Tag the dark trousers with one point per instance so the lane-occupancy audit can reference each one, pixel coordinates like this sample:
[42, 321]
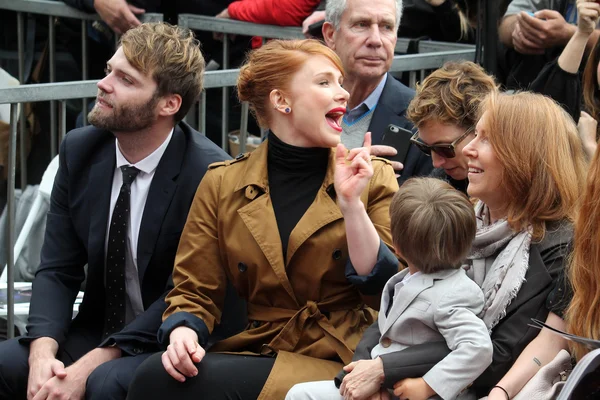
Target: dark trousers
[220, 377]
[108, 382]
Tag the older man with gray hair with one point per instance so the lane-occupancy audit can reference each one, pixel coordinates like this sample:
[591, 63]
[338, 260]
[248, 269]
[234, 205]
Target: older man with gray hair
[363, 34]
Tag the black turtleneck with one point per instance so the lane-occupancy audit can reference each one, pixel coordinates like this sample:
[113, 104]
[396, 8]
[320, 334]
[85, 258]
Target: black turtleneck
[295, 176]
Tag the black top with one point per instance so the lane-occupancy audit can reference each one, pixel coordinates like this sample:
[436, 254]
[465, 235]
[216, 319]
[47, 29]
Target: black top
[545, 289]
[561, 294]
[295, 176]
[562, 86]
[420, 19]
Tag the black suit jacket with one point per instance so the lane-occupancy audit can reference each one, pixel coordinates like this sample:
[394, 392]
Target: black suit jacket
[76, 231]
[391, 109]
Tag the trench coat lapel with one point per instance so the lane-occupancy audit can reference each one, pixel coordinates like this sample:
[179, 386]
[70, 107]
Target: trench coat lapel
[259, 213]
[322, 211]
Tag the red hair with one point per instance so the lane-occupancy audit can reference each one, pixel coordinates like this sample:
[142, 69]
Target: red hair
[272, 67]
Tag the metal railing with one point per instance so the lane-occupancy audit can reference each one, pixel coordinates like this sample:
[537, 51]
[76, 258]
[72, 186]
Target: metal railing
[63, 91]
[233, 27]
[50, 92]
[432, 55]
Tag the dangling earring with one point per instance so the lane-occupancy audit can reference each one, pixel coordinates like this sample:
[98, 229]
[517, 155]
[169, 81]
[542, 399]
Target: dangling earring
[288, 110]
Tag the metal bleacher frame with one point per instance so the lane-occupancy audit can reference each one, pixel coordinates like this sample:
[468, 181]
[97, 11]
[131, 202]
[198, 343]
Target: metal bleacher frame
[431, 55]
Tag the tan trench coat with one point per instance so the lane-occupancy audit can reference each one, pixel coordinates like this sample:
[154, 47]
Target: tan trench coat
[302, 308]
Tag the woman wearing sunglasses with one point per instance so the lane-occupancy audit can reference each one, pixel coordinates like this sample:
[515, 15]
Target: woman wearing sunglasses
[444, 110]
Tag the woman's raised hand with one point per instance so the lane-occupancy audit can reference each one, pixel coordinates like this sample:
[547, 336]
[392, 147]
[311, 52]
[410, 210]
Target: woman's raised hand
[353, 170]
[182, 352]
[588, 13]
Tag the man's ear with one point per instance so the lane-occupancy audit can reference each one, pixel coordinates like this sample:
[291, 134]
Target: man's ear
[278, 100]
[328, 34]
[169, 105]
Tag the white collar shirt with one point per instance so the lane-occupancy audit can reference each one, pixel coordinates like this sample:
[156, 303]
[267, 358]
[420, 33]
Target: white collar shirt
[139, 193]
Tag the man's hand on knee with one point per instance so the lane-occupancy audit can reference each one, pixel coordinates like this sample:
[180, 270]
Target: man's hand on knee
[41, 371]
[43, 364]
[70, 385]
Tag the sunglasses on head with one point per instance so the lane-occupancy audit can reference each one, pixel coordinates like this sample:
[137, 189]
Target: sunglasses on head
[446, 150]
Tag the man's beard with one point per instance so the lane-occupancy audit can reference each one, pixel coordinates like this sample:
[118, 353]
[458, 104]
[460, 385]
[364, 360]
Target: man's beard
[125, 117]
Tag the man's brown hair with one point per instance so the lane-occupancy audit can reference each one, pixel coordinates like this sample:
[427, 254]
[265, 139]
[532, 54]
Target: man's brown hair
[433, 224]
[172, 55]
[451, 95]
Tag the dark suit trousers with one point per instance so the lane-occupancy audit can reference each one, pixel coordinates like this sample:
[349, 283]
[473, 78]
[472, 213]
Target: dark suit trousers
[109, 381]
[220, 377]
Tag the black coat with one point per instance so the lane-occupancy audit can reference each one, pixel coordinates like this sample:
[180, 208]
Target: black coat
[76, 231]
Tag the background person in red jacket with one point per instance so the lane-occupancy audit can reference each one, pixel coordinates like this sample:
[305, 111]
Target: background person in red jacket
[270, 12]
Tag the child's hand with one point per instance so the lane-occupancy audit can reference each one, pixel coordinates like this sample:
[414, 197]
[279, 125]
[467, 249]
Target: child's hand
[413, 389]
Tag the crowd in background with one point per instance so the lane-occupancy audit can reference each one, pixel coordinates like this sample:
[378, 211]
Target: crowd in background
[319, 266]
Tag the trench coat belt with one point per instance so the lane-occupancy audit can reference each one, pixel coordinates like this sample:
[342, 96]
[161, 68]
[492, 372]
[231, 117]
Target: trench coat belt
[289, 336]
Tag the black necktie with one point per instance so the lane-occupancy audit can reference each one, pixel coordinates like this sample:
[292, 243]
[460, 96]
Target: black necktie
[116, 256]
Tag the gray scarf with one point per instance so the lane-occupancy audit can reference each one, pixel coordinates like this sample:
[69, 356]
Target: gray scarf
[503, 281]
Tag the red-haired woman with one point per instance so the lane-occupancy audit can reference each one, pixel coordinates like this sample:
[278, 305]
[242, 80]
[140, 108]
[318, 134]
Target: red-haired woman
[527, 168]
[299, 227]
[583, 314]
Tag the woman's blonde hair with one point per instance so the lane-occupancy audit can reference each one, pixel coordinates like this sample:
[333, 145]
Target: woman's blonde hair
[583, 314]
[544, 166]
[272, 67]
